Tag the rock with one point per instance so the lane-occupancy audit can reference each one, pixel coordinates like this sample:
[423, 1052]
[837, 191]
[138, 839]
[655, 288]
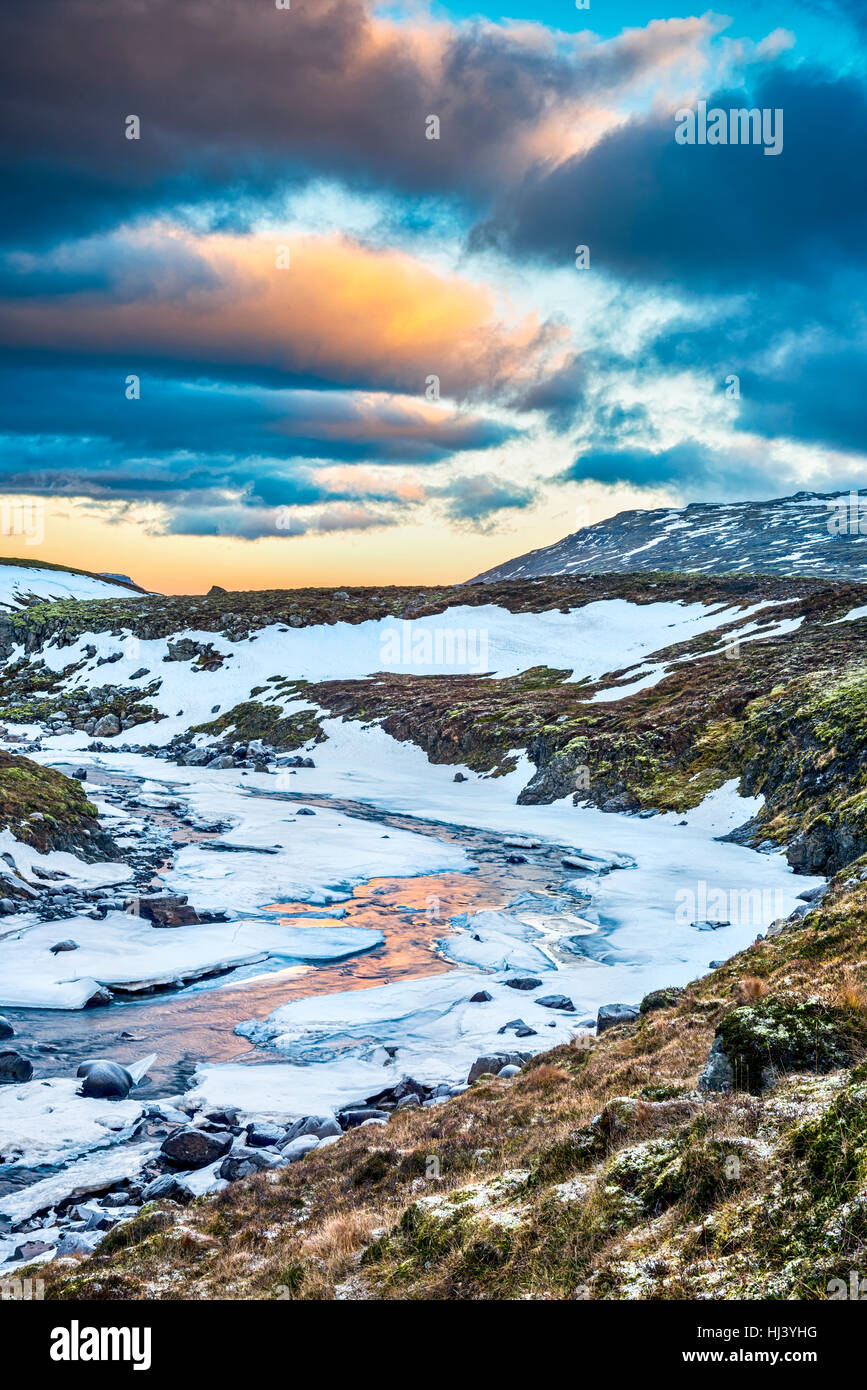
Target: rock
[194, 1148]
[227, 1117]
[166, 1185]
[660, 999]
[460, 777]
[107, 726]
[510, 1070]
[814, 895]
[14, 1068]
[60, 946]
[611, 1014]
[481, 997]
[523, 982]
[297, 1148]
[784, 1033]
[491, 1062]
[516, 859]
[319, 1126]
[80, 774]
[260, 1136]
[167, 910]
[717, 1074]
[6, 1029]
[306, 811]
[410, 1102]
[75, 1243]
[243, 1161]
[214, 590]
[30, 1249]
[104, 1080]
[353, 1118]
[557, 1001]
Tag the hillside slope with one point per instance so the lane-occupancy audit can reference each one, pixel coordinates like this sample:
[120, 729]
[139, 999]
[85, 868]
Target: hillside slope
[810, 534]
[601, 1169]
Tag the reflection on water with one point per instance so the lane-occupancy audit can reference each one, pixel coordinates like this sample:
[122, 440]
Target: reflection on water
[195, 1025]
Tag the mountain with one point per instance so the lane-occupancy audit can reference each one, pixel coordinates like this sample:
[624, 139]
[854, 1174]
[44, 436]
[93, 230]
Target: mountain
[820, 534]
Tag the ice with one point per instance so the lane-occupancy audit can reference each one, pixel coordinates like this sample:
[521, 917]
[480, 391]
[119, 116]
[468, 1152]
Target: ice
[128, 954]
[46, 1121]
[96, 1173]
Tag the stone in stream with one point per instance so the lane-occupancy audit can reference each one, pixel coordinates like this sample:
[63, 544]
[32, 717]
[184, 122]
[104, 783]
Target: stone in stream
[519, 1028]
[167, 910]
[14, 1068]
[557, 1001]
[194, 1148]
[523, 982]
[6, 1029]
[60, 946]
[305, 811]
[104, 1080]
[481, 997]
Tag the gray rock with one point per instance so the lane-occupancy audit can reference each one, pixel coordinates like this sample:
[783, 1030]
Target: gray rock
[195, 1148]
[243, 1161]
[14, 1068]
[612, 1014]
[557, 1001]
[492, 1062]
[103, 1080]
[107, 726]
[76, 1243]
[354, 1118]
[523, 982]
[481, 997]
[410, 1102]
[717, 1074]
[295, 1150]
[6, 1029]
[319, 1126]
[510, 1071]
[60, 946]
[165, 1186]
[260, 1136]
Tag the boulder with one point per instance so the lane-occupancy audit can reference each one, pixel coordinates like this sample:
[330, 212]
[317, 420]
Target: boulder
[6, 1029]
[60, 946]
[319, 1126]
[557, 1001]
[297, 1148]
[167, 910]
[492, 1062]
[523, 982]
[717, 1074]
[611, 1014]
[14, 1068]
[102, 1080]
[107, 726]
[481, 997]
[353, 1118]
[194, 1148]
[262, 1136]
[660, 999]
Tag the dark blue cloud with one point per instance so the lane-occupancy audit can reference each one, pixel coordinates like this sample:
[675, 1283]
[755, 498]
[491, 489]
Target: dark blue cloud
[724, 217]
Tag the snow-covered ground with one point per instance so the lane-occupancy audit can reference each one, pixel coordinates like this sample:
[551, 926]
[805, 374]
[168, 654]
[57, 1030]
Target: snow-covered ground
[659, 898]
[19, 582]
[601, 637]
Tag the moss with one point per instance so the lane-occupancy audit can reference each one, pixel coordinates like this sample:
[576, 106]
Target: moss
[45, 808]
[254, 720]
[783, 1035]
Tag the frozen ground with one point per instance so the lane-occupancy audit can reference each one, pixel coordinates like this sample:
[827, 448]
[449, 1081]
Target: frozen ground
[18, 582]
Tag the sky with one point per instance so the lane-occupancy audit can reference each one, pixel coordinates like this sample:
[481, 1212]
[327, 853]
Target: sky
[294, 296]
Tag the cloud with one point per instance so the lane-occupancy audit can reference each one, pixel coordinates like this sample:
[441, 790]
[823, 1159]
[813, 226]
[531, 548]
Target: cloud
[341, 314]
[722, 217]
[476, 498]
[236, 98]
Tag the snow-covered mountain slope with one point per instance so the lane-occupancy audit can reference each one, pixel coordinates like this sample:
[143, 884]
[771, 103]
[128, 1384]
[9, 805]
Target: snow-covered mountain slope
[21, 581]
[811, 534]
